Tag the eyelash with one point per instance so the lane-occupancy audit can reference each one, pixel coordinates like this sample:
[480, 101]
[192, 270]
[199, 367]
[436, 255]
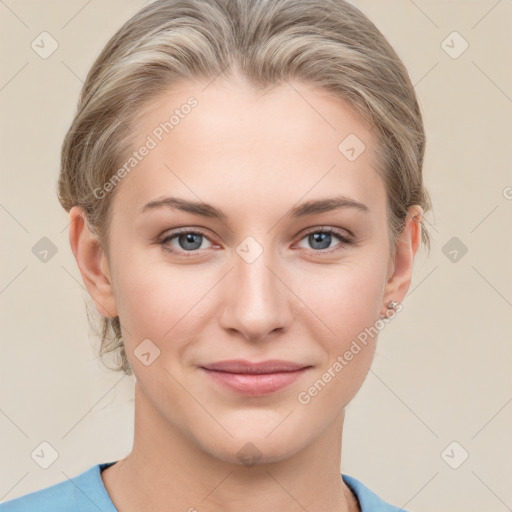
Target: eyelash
[344, 239]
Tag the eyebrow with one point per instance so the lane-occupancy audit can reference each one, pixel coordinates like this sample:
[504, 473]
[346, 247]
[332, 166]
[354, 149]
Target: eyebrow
[302, 210]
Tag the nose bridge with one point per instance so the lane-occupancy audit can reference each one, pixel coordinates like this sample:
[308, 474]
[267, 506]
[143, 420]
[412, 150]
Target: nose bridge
[256, 301]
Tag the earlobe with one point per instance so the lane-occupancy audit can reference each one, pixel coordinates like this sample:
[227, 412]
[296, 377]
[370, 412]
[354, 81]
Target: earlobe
[92, 263]
[407, 245]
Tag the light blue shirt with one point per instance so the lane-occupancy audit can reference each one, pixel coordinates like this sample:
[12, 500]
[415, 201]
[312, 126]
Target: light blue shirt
[87, 493]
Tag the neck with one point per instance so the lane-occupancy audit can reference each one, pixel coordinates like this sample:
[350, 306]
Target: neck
[166, 470]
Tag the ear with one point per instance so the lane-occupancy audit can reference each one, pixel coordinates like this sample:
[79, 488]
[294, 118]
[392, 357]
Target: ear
[92, 262]
[408, 242]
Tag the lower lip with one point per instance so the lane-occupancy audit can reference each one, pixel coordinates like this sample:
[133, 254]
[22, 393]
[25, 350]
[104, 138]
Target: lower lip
[255, 384]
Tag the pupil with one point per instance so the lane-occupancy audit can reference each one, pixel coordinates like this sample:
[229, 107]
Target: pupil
[317, 238]
[191, 238]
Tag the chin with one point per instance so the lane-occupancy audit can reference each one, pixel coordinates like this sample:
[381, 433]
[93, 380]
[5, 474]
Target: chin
[249, 453]
[253, 446]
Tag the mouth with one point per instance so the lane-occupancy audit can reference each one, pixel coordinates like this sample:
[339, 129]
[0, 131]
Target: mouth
[254, 379]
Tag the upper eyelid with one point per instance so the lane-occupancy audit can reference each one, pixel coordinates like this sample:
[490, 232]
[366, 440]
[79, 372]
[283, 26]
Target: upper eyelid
[336, 231]
[179, 232]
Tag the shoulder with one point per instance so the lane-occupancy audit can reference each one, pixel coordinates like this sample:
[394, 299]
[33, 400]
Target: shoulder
[57, 498]
[82, 493]
[368, 500]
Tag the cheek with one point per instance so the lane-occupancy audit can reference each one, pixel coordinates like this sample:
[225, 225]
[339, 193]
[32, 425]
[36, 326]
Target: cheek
[345, 298]
[160, 301]
[154, 299]
[345, 306]
[163, 301]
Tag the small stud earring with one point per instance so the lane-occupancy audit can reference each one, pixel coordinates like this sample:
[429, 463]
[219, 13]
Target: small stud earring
[391, 305]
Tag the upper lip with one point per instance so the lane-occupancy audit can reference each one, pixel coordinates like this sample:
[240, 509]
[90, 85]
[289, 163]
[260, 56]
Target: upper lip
[244, 366]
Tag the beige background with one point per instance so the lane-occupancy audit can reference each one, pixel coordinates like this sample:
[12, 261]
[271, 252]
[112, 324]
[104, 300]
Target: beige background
[442, 371]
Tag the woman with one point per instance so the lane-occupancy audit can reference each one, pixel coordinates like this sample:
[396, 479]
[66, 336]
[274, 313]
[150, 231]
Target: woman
[244, 183]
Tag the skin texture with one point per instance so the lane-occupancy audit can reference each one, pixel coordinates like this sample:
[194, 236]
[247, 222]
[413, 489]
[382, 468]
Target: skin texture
[254, 156]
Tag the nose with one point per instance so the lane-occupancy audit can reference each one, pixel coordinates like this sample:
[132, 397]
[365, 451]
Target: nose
[256, 300]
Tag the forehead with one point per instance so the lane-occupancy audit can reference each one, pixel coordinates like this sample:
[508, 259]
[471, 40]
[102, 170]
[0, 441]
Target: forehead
[226, 142]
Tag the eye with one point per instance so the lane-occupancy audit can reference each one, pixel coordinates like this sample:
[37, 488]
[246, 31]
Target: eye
[320, 239]
[187, 242]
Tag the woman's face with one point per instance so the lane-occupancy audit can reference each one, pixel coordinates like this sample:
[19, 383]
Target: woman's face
[254, 279]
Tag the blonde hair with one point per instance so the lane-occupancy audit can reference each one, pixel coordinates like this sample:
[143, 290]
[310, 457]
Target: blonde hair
[327, 43]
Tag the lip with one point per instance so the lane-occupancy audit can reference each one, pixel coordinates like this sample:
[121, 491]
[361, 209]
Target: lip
[244, 366]
[254, 379]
